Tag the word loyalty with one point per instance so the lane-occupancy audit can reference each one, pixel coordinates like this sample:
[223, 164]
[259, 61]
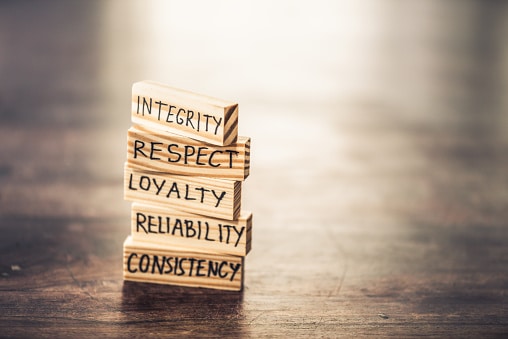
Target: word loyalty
[173, 114]
[186, 228]
[172, 190]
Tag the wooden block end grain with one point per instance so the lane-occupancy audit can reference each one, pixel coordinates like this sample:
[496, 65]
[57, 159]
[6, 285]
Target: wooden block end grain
[211, 197]
[193, 115]
[153, 263]
[174, 228]
[153, 150]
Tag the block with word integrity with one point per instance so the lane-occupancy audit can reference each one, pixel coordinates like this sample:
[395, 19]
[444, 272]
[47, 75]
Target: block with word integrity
[193, 115]
[212, 197]
[153, 263]
[167, 152]
[191, 231]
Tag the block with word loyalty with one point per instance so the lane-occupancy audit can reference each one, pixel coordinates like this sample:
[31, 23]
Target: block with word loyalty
[178, 229]
[167, 152]
[185, 113]
[206, 196]
[153, 263]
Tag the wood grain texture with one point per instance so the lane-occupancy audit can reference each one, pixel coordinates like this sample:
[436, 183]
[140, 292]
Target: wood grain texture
[185, 113]
[174, 228]
[205, 196]
[155, 263]
[153, 150]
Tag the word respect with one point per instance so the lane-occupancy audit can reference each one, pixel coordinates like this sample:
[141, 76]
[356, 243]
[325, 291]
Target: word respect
[201, 155]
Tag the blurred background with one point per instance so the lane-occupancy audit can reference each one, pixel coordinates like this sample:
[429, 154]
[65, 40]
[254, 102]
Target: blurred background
[379, 133]
[326, 88]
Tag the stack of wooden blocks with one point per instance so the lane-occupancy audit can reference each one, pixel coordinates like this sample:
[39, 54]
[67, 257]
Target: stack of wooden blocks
[184, 172]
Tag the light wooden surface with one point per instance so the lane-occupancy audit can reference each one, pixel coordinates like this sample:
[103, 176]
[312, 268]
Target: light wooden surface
[178, 229]
[185, 113]
[378, 183]
[152, 150]
[199, 195]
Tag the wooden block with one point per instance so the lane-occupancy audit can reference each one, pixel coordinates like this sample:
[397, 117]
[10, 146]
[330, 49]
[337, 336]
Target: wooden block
[178, 229]
[167, 152]
[185, 113]
[216, 198]
[153, 263]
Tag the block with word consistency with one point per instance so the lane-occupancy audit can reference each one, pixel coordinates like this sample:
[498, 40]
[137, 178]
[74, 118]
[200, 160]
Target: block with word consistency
[152, 263]
[212, 197]
[196, 116]
[174, 229]
[167, 152]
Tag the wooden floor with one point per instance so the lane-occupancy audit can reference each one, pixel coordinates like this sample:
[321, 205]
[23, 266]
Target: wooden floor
[379, 166]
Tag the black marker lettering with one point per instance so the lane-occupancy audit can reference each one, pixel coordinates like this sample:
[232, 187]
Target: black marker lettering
[148, 107]
[200, 154]
[174, 188]
[177, 226]
[153, 149]
[140, 219]
[190, 231]
[188, 152]
[231, 157]
[169, 113]
[174, 153]
[235, 269]
[146, 180]
[160, 105]
[138, 145]
[219, 198]
[207, 230]
[159, 188]
[179, 120]
[132, 255]
[207, 117]
[218, 124]
[151, 224]
[190, 115]
[191, 266]
[211, 157]
[239, 234]
[156, 263]
[187, 193]
[200, 267]
[203, 190]
[146, 258]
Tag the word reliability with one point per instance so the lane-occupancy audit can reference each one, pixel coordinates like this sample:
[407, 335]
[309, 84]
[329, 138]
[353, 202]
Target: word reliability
[186, 228]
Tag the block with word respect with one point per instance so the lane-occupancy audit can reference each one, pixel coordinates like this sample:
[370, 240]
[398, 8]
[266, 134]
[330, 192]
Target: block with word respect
[196, 116]
[178, 229]
[153, 263]
[167, 152]
[212, 197]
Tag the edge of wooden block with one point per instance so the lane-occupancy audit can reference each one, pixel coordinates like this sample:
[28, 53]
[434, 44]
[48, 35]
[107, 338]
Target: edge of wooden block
[153, 263]
[167, 226]
[160, 190]
[223, 134]
[154, 150]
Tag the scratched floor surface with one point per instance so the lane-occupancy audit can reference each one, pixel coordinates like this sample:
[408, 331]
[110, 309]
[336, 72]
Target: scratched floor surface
[379, 168]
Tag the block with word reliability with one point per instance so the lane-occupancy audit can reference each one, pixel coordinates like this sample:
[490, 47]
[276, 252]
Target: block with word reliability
[191, 231]
[152, 263]
[167, 152]
[185, 113]
[216, 198]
